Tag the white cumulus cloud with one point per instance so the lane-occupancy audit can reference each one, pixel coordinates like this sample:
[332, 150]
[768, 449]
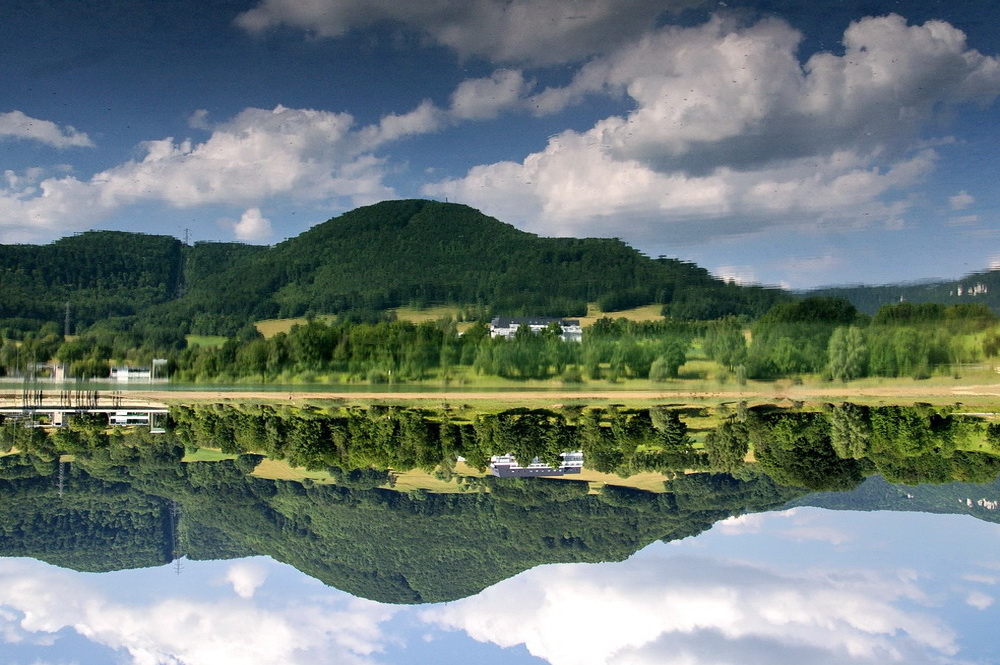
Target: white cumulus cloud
[246, 576]
[487, 97]
[17, 125]
[252, 226]
[308, 155]
[732, 133]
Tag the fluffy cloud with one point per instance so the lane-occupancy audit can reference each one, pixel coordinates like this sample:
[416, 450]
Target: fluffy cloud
[41, 600]
[252, 226]
[246, 576]
[502, 30]
[17, 125]
[675, 610]
[961, 201]
[730, 126]
[305, 154]
[488, 97]
[979, 600]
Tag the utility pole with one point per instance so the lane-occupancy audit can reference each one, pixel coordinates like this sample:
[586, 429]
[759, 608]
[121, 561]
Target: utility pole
[66, 321]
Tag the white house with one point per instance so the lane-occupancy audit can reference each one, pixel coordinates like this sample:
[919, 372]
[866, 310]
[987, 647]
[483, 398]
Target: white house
[572, 331]
[505, 466]
[131, 373]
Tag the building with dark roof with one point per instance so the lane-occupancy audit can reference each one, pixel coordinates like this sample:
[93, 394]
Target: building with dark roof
[507, 327]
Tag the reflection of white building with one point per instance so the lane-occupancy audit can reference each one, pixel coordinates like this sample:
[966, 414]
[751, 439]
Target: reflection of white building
[127, 418]
[507, 327]
[131, 374]
[505, 466]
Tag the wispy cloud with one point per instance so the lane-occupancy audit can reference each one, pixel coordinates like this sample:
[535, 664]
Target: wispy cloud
[519, 31]
[961, 201]
[17, 125]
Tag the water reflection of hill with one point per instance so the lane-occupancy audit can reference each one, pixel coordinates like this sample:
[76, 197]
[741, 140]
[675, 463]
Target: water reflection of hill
[127, 499]
[375, 543]
[980, 500]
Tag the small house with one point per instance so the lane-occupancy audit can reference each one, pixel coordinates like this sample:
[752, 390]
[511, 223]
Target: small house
[500, 326]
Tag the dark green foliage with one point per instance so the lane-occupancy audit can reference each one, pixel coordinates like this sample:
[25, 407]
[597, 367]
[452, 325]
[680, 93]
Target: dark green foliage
[727, 446]
[127, 500]
[795, 449]
[90, 525]
[101, 274]
[359, 264]
[993, 436]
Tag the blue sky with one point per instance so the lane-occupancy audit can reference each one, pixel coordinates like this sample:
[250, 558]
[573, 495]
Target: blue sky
[790, 587]
[783, 142]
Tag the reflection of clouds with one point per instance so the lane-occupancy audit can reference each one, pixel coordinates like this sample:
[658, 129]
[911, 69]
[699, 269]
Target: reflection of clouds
[246, 577]
[39, 600]
[979, 600]
[980, 579]
[663, 609]
[803, 526]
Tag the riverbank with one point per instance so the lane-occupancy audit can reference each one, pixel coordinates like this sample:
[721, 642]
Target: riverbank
[981, 394]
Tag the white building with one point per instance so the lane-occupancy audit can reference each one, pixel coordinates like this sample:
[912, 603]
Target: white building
[505, 466]
[572, 331]
[131, 373]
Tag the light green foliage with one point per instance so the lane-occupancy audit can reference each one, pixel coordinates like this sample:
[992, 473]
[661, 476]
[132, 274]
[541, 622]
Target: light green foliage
[848, 354]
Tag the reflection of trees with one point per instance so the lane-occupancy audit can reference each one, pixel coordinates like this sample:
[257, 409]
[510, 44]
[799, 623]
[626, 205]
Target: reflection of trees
[795, 449]
[417, 546]
[381, 544]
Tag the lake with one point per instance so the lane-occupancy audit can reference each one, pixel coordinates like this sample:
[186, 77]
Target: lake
[122, 551]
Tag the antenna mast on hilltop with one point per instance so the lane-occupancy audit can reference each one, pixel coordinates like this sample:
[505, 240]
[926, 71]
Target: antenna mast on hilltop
[66, 321]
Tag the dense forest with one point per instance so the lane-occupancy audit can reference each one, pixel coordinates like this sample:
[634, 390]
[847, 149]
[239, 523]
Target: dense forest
[128, 298]
[825, 338]
[357, 265]
[442, 546]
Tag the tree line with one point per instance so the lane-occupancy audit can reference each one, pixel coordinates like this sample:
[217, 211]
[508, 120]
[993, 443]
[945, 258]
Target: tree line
[830, 338]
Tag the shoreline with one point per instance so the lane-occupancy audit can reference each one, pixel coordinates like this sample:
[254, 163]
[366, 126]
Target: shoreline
[144, 397]
[840, 393]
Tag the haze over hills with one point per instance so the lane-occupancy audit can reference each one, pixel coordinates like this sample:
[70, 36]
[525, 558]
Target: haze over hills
[979, 287]
[390, 254]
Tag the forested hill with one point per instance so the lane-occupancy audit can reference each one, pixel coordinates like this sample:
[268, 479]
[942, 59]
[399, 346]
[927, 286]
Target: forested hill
[411, 252]
[981, 287]
[417, 252]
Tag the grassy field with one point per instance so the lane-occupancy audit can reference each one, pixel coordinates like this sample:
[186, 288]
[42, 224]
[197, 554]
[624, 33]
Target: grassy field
[645, 313]
[408, 481]
[213, 341]
[206, 455]
[282, 470]
[271, 327]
